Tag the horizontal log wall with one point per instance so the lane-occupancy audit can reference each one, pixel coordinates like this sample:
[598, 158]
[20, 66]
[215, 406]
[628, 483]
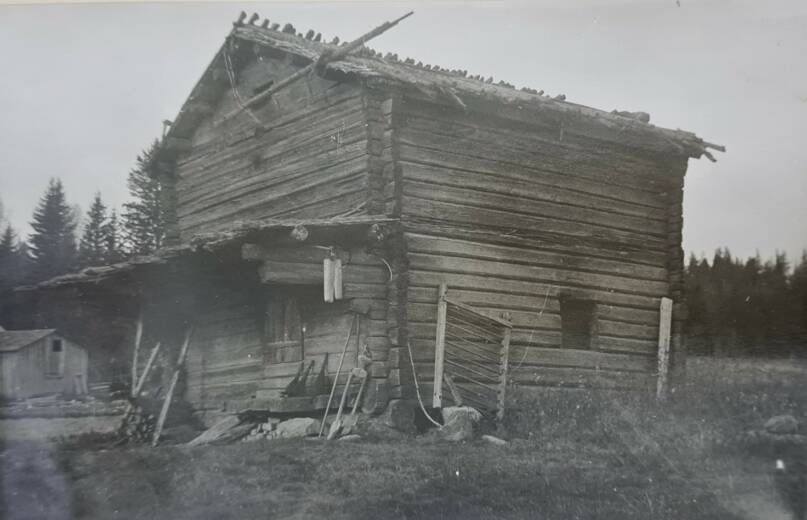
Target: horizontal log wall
[514, 218]
[306, 156]
[230, 366]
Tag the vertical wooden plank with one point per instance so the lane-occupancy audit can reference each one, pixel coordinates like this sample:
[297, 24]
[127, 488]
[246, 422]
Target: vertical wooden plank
[505, 357]
[665, 322]
[440, 347]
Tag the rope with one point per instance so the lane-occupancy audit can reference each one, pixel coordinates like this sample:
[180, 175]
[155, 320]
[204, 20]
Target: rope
[532, 332]
[228, 66]
[417, 389]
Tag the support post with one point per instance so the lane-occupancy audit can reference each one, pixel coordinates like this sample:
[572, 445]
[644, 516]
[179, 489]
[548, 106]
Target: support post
[505, 360]
[665, 322]
[440, 347]
[183, 353]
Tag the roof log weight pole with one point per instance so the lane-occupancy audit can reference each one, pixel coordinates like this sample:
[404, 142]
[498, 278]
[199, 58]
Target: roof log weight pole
[325, 58]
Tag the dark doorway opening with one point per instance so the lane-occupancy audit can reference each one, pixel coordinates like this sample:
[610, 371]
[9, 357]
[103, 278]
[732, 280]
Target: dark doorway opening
[577, 323]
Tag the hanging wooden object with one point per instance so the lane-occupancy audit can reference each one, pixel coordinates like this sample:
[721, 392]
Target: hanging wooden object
[337, 278]
[327, 278]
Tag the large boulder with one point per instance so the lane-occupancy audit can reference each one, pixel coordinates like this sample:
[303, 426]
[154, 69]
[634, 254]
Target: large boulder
[297, 427]
[459, 423]
[782, 425]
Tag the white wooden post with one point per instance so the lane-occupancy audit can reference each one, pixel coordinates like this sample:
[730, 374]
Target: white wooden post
[337, 278]
[665, 321]
[327, 279]
[440, 347]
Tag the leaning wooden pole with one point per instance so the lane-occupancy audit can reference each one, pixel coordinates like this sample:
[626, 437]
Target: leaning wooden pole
[136, 351]
[140, 383]
[324, 59]
[336, 379]
[170, 394]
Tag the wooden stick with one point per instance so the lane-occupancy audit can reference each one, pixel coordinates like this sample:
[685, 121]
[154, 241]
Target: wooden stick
[665, 320]
[358, 396]
[336, 379]
[455, 393]
[169, 396]
[136, 353]
[439, 347]
[141, 382]
[324, 59]
[337, 423]
[505, 366]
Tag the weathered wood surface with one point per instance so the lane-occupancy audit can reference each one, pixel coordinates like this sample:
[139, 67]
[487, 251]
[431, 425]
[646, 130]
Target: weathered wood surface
[513, 218]
[169, 395]
[664, 327]
[439, 347]
[311, 160]
[232, 362]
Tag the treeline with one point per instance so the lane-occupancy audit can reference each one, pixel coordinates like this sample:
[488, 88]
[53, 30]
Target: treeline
[746, 307]
[63, 240]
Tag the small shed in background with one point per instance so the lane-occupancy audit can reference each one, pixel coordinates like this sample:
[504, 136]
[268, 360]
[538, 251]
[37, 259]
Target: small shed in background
[39, 362]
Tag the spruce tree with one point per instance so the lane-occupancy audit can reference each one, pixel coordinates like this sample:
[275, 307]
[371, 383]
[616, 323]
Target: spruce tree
[93, 244]
[143, 225]
[8, 259]
[53, 242]
[112, 243]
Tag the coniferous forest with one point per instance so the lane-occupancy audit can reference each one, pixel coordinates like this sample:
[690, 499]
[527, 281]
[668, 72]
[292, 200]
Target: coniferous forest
[735, 307]
[64, 240]
[742, 307]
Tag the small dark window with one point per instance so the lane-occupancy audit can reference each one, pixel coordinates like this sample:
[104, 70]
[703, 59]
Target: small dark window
[54, 359]
[577, 323]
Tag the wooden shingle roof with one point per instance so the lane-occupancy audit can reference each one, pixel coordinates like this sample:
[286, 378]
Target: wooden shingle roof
[451, 86]
[214, 242]
[13, 340]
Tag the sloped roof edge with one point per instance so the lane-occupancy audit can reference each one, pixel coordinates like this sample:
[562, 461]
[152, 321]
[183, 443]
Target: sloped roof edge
[370, 65]
[13, 340]
[205, 242]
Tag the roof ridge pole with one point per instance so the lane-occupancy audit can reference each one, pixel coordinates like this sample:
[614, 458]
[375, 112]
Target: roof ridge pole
[326, 57]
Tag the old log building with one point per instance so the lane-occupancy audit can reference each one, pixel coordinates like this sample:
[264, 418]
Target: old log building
[560, 222]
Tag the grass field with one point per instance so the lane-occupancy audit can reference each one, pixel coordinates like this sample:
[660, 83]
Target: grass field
[572, 455]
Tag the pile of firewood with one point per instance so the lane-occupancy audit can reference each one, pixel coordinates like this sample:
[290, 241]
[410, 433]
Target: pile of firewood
[137, 426]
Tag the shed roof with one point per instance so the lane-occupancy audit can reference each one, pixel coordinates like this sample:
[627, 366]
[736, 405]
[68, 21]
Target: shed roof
[13, 340]
[452, 86]
[213, 242]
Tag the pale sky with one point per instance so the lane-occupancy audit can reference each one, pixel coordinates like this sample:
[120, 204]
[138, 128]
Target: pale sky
[85, 87]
